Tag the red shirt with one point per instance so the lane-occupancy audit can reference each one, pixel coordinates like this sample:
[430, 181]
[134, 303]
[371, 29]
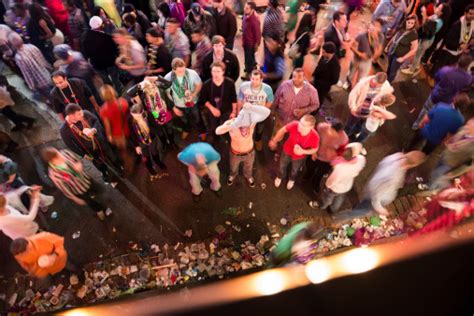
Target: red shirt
[116, 116]
[309, 141]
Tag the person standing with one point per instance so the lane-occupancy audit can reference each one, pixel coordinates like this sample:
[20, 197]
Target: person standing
[201, 159]
[241, 131]
[302, 141]
[273, 24]
[199, 18]
[294, 98]
[159, 58]
[336, 33]
[13, 223]
[177, 42]
[327, 71]
[220, 53]
[99, 48]
[256, 92]
[76, 22]
[72, 90]
[226, 22]
[391, 13]
[184, 91]
[40, 255]
[251, 37]
[217, 99]
[402, 46]
[449, 81]
[203, 48]
[67, 173]
[345, 169]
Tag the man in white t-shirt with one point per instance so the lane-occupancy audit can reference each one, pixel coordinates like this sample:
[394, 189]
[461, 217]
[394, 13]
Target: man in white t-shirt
[341, 179]
[241, 131]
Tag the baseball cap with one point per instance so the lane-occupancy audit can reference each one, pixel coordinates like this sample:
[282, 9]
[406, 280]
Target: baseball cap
[196, 8]
[62, 51]
[95, 22]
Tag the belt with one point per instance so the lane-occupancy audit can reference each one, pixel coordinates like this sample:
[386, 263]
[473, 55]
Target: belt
[241, 154]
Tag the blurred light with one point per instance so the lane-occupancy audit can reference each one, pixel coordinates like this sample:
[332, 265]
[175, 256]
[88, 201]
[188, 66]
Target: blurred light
[318, 271]
[360, 260]
[270, 282]
[76, 313]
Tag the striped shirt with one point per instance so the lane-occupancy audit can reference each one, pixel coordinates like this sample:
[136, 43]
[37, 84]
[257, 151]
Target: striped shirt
[287, 100]
[71, 182]
[203, 48]
[273, 23]
[33, 66]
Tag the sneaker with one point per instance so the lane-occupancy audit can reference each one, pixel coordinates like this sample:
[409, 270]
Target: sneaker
[407, 71]
[251, 182]
[277, 182]
[290, 185]
[230, 181]
[218, 192]
[196, 198]
[101, 215]
[108, 212]
[313, 204]
[345, 86]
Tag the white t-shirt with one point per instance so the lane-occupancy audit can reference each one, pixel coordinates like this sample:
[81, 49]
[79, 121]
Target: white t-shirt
[342, 177]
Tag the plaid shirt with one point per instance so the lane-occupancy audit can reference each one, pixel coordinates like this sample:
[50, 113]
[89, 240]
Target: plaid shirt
[33, 66]
[203, 48]
[286, 101]
[71, 182]
[273, 23]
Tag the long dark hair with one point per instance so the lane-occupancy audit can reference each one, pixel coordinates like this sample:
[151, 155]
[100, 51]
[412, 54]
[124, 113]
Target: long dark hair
[165, 9]
[97, 11]
[37, 13]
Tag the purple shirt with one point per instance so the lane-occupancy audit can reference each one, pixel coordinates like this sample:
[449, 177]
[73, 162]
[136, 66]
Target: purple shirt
[449, 82]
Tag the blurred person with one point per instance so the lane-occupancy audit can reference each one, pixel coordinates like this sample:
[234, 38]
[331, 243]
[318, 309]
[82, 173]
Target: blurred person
[336, 33]
[274, 63]
[133, 27]
[221, 53]
[114, 114]
[327, 71]
[217, 99]
[33, 66]
[163, 12]
[177, 42]
[177, 11]
[226, 22]
[145, 140]
[110, 9]
[251, 37]
[184, 91]
[82, 133]
[140, 16]
[76, 22]
[6, 103]
[301, 45]
[57, 11]
[345, 168]
[19, 19]
[449, 81]
[391, 13]
[99, 48]
[402, 46]
[108, 25]
[67, 173]
[131, 55]
[40, 30]
[71, 90]
[201, 160]
[302, 140]
[273, 24]
[332, 141]
[198, 18]
[241, 129]
[202, 48]
[255, 92]
[158, 58]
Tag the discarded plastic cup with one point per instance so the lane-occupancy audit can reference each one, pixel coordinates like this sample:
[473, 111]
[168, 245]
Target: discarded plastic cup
[263, 186]
[54, 215]
[76, 234]
[250, 205]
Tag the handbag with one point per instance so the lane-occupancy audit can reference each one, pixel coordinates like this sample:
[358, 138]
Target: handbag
[294, 51]
[58, 38]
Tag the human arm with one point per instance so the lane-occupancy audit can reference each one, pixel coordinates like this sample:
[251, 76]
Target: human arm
[411, 53]
[44, 26]
[301, 151]
[108, 128]
[272, 144]
[224, 128]
[34, 203]
[355, 49]
[382, 113]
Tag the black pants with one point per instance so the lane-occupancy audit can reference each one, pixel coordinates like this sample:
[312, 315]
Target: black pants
[250, 63]
[93, 196]
[315, 171]
[16, 118]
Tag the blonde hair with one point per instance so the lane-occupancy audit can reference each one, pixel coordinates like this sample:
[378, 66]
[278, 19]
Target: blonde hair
[107, 93]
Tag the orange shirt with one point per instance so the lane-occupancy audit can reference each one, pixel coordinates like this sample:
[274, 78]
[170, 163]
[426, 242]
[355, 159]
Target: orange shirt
[43, 244]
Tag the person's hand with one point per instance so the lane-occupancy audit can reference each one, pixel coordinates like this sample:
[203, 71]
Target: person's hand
[272, 144]
[400, 60]
[298, 113]
[215, 112]
[11, 178]
[314, 157]
[298, 150]
[177, 111]
[110, 139]
[35, 191]
[89, 132]
[232, 115]
[138, 150]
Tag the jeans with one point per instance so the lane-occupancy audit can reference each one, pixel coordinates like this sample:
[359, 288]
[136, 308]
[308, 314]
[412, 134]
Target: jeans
[246, 159]
[213, 173]
[423, 46]
[364, 134]
[191, 119]
[285, 161]
[393, 66]
[249, 53]
[428, 106]
[361, 67]
[332, 200]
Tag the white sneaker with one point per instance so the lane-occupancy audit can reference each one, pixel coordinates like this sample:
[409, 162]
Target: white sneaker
[290, 184]
[108, 212]
[345, 86]
[277, 182]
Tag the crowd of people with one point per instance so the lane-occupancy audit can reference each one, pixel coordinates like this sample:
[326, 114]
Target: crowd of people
[131, 82]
